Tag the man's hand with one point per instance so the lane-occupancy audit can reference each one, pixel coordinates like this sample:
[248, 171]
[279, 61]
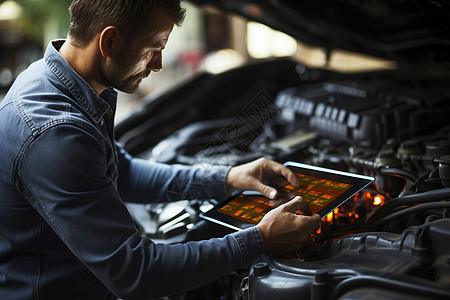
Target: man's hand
[284, 231]
[254, 175]
[281, 229]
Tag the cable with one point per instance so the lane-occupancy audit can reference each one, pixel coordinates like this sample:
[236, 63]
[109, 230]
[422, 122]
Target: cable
[429, 196]
[431, 218]
[408, 211]
[388, 283]
[416, 180]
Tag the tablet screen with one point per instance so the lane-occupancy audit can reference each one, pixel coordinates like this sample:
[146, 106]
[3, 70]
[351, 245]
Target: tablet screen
[322, 189]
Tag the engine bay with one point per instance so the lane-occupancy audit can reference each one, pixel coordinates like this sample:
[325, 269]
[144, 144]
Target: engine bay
[389, 241]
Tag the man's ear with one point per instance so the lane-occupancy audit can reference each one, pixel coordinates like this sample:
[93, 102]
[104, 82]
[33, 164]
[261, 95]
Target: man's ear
[110, 41]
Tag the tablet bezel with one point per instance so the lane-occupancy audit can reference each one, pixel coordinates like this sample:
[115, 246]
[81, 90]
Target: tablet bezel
[357, 182]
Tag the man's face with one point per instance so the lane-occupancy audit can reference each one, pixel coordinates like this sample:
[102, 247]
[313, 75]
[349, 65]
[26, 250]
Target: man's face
[135, 62]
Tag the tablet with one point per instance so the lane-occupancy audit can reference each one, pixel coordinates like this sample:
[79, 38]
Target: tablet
[322, 189]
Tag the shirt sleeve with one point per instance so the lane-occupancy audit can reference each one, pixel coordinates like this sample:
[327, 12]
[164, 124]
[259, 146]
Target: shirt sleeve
[65, 178]
[143, 181]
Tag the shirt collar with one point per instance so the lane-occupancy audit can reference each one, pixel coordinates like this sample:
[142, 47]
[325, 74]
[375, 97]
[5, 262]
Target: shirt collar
[93, 104]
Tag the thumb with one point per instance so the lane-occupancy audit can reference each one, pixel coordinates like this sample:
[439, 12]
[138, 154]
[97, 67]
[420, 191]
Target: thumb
[297, 203]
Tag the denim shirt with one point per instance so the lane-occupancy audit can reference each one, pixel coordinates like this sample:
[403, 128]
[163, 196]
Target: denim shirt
[65, 232]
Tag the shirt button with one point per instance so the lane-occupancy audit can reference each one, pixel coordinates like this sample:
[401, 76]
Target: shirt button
[101, 122]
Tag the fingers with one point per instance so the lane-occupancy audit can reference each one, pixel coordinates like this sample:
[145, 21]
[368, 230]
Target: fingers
[283, 231]
[290, 176]
[275, 169]
[251, 176]
[313, 223]
[317, 221]
[278, 168]
[266, 190]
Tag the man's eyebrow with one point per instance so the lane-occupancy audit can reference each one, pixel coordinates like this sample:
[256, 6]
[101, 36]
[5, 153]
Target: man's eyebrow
[161, 45]
[157, 46]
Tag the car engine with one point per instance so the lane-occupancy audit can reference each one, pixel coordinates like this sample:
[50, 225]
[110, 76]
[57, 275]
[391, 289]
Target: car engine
[390, 241]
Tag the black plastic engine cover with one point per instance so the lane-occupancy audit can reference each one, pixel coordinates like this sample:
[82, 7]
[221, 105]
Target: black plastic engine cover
[365, 112]
[414, 264]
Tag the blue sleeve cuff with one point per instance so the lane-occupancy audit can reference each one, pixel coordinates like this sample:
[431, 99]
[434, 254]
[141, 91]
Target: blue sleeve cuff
[213, 180]
[250, 244]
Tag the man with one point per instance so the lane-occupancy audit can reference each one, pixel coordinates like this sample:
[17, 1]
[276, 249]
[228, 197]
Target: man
[64, 230]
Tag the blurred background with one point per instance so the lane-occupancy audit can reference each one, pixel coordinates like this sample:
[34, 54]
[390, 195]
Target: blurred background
[209, 41]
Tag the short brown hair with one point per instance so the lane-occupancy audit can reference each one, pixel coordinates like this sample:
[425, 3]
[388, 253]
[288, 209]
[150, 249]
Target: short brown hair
[88, 17]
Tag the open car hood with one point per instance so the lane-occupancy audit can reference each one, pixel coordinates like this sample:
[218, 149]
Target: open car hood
[406, 31]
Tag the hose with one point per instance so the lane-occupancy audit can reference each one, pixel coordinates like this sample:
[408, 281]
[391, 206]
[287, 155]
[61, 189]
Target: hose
[416, 180]
[388, 283]
[407, 211]
[426, 197]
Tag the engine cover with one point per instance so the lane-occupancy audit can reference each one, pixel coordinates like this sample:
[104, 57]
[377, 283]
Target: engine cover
[364, 112]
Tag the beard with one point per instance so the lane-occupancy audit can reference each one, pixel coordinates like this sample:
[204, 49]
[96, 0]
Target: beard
[116, 74]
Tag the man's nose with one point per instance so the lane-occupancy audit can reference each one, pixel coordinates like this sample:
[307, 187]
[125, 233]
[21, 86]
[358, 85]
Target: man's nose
[155, 64]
